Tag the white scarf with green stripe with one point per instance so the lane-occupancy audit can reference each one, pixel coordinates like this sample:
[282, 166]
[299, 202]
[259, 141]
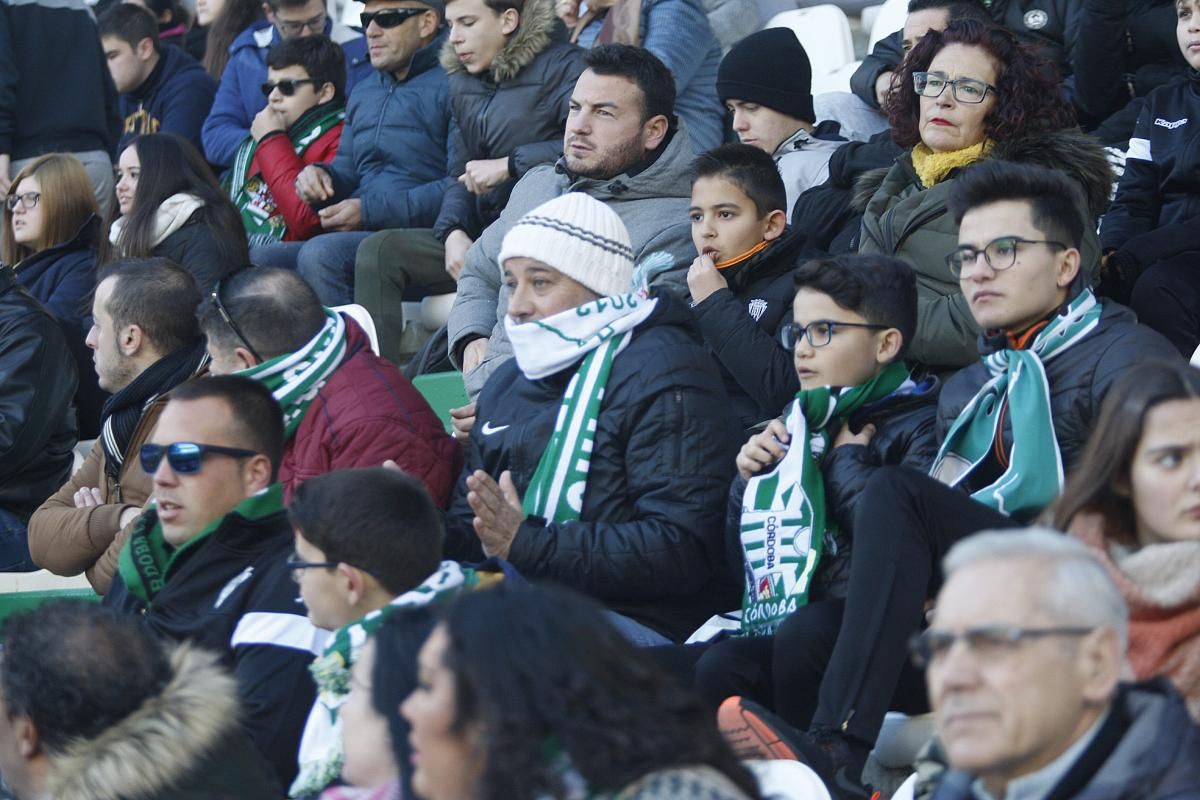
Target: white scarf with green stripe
[1034, 474]
[595, 332]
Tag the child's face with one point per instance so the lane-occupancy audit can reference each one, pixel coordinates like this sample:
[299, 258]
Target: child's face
[302, 99]
[1187, 30]
[725, 223]
[852, 356]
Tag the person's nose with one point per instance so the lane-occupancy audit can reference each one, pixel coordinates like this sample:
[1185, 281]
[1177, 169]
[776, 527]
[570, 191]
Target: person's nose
[164, 475]
[580, 123]
[740, 123]
[520, 304]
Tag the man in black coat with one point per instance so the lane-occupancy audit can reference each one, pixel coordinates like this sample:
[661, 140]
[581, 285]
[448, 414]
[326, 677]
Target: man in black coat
[37, 418]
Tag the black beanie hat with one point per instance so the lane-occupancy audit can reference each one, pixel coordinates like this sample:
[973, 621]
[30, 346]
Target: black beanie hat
[770, 68]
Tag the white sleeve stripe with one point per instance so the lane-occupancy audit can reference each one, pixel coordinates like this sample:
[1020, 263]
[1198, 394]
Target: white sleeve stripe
[1139, 149]
[280, 630]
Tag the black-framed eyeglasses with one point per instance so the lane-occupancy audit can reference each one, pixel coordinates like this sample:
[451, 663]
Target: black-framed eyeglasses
[819, 333]
[987, 642]
[287, 86]
[186, 458]
[966, 90]
[1000, 254]
[26, 200]
[215, 297]
[389, 17]
[297, 565]
[315, 24]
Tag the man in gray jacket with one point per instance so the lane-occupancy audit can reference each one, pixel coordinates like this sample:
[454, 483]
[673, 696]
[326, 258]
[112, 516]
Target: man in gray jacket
[622, 147]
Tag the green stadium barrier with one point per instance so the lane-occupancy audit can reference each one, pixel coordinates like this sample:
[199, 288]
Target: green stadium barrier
[443, 391]
[12, 602]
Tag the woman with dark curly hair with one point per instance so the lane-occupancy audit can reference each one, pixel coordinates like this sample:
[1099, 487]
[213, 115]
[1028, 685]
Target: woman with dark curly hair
[969, 93]
[529, 693]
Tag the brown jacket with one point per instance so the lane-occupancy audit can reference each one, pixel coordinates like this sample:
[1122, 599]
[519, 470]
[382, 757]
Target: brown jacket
[67, 540]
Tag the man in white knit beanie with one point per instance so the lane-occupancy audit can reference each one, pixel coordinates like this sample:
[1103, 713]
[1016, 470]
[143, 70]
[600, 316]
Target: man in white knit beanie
[603, 450]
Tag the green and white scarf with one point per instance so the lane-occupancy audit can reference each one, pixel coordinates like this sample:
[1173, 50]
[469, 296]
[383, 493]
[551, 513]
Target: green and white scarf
[295, 378]
[321, 752]
[596, 332]
[146, 559]
[784, 521]
[1034, 475]
[261, 217]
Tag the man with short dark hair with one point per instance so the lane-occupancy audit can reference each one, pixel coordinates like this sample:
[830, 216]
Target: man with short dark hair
[622, 147]
[344, 406]
[207, 562]
[163, 90]
[239, 97]
[1023, 660]
[86, 696]
[143, 347]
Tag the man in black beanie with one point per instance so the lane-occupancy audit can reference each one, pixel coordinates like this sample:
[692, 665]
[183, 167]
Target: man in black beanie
[766, 83]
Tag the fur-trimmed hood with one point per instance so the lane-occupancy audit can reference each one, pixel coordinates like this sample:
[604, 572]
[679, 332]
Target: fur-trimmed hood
[1071, 151]
[533, 35]
[156, 750]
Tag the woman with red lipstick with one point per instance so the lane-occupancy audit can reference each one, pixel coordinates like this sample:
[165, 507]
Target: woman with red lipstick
[967, 94]
[1136, 499]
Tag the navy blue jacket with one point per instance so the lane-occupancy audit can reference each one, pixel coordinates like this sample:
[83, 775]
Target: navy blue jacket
[62, 277]
[56, 94]
[396, 151]
[239, 97]
[175, 98]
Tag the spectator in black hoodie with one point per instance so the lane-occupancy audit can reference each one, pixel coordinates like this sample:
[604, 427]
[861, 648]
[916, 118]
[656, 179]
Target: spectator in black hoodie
[163, 89]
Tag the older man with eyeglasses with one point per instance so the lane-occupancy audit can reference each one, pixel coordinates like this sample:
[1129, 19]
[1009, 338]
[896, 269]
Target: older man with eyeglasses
[207, 561]
[1023, 662]
[239, 98]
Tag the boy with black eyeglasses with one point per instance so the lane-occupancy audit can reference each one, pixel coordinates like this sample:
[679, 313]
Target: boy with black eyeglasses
[301, 125]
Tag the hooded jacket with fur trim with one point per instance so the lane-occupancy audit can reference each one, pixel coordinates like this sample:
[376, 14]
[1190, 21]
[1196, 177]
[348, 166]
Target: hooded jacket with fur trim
[183, 744]
[515, 110]
[904, 220]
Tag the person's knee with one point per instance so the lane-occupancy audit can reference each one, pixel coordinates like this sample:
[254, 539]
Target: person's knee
[371, 254]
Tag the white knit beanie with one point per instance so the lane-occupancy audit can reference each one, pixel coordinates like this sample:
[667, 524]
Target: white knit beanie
[580, 237]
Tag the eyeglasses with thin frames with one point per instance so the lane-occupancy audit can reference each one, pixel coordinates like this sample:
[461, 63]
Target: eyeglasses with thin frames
[819, 333]
[966, 90]
[989, 642]
[1000, 254]
[215, 297]
[288, 28]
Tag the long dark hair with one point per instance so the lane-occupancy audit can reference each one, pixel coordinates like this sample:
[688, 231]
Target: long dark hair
[235, 17]
[1106, 460]
[170, 165]
[394, 677]
[553, 686]
[1028, 96]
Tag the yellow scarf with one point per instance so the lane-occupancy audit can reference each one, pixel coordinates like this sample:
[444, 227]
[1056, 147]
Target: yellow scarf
[932, 168]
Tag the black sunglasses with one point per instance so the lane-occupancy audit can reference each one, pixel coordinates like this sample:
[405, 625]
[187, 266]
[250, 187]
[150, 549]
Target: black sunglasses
[389, 17]
[287, 86]
[215, 297]
[186, 458]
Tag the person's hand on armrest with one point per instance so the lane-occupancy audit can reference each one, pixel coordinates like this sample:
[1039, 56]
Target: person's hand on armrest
[314, 185]
[457, 245]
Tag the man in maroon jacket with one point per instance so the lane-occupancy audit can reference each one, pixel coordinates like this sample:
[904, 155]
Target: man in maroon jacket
[343, 405]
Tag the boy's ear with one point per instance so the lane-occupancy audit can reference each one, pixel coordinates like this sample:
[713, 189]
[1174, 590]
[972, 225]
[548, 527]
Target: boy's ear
[774, 224]
[145, 49]
[889, 344]
[326, 92]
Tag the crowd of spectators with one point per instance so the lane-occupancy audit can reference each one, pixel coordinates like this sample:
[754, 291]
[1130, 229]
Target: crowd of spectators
[819, 407]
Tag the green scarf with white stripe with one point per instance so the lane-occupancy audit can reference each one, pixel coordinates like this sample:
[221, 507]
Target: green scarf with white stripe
[1034, 475]
[146, 559]
[261, 217]
[295, 378]
[784, 520]
[596, 332]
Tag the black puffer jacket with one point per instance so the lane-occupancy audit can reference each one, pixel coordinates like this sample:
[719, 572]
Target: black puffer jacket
[207, 250]
[37, 382]
[517, 109]
[741, 326]
[1079, 379]
[648, 543]
[905, 435]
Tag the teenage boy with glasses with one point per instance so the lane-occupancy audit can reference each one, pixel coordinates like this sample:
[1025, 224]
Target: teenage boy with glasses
[240, 100]
[207, 562]
[1008, 427]
[142, 348]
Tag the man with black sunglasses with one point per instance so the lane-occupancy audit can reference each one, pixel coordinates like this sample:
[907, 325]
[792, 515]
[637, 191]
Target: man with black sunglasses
[142, 348]
[239, 96]
[394, 161]
[207, 562]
